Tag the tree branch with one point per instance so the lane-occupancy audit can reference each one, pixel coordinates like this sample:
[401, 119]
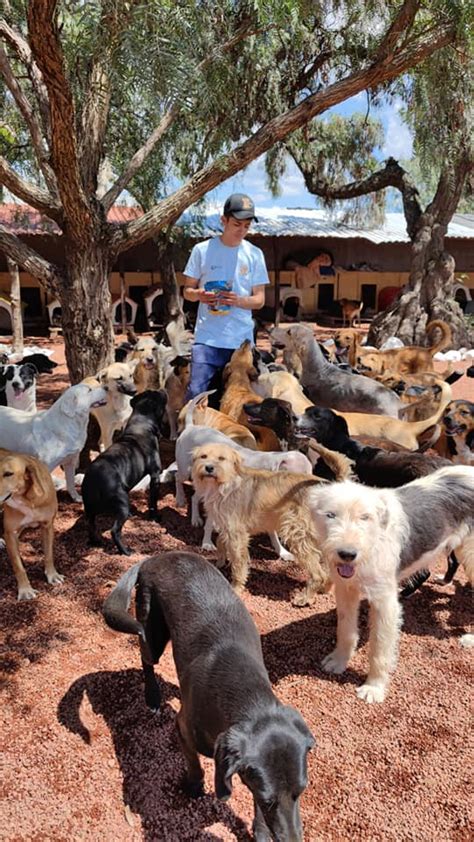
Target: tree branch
[46, 48]
[166, 121]
[35, 196]
[38, 142]
[169, 209]
[23, 51]
[400, 26]
[30, 260]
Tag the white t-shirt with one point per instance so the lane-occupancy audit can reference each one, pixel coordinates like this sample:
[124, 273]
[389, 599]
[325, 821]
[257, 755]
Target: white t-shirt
[242, 268]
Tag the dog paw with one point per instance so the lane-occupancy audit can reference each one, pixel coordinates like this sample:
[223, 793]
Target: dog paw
[467, 640]
[196, 520]
[193, 789]
[55, 578]
[75, 496]
[302, 598]
[371, 693]
[209, 546]
[285, 555]
[27, 593]
[334, 663]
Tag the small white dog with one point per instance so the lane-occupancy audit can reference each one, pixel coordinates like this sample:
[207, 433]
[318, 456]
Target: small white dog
[373, 538]
[56, 435]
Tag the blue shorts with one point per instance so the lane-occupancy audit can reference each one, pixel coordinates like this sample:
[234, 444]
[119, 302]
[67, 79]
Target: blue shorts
[205, 361]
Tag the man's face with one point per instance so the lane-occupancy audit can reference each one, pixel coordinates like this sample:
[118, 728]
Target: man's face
[234, 230]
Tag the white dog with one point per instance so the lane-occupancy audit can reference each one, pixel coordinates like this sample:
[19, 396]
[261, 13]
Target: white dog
[56, 435]
[371, 539]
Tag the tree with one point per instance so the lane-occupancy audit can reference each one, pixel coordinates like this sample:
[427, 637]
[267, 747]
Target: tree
[439, 96]
[239, 78]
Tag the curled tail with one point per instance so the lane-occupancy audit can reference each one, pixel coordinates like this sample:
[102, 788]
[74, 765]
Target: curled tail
[192, 404]
[446, 336]
[116, 605]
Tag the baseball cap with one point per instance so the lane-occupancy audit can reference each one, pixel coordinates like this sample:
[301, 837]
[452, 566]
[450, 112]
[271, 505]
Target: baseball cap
[240, 206]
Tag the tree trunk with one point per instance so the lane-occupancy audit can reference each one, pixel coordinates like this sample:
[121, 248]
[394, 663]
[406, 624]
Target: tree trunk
[17, 316]
[428, 294]
[86, 310]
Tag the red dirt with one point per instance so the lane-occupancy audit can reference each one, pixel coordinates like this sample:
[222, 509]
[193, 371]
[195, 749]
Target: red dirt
[83, 759]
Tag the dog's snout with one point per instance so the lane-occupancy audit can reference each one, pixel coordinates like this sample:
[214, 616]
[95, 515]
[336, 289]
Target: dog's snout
[347, 554]
[209, 469]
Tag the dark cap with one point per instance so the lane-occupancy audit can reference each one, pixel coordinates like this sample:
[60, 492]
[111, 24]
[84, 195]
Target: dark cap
[240, 206]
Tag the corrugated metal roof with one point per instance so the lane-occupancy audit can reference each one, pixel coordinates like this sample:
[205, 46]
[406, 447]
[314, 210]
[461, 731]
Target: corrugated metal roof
[272, 222]
[285, 222]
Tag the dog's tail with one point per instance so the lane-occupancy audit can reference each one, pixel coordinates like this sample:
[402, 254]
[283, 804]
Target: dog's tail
[446, 336]
[445, 398]
[188, 420]
[116, 605]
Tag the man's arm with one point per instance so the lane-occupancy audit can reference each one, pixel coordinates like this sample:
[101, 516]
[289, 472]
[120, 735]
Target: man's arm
[192, 292]
[255, 301]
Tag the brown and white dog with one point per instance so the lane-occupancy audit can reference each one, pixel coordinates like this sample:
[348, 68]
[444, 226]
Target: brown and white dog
[407, 360]
[28, 498]
[351, 310]
[244, 501]
[456, 441]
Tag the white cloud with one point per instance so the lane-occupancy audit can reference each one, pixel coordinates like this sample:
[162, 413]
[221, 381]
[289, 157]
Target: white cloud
[398, 137]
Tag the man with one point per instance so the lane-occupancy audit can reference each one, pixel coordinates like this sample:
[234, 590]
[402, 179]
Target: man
[227, 275]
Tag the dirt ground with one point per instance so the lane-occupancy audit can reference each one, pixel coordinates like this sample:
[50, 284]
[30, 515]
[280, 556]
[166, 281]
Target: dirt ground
[83, 759]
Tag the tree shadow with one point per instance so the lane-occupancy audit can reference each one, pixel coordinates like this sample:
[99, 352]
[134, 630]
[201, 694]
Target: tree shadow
[148, 754]
[421, 611]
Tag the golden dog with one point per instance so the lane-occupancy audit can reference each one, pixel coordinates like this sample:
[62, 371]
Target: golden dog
[206, 416]
[456, 441]
[29, 499]
[239, 374]
[175, 387]
[242, 502]
[351, 311]
[407, 360]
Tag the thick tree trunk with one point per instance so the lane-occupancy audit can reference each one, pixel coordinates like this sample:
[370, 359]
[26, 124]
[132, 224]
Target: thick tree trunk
[428, 294]
[17, 315]
[171, 296]
[86, 311]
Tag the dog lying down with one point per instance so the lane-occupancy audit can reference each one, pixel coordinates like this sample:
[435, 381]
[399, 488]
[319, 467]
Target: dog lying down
[373, 538]
[108, 480]
[228, 708]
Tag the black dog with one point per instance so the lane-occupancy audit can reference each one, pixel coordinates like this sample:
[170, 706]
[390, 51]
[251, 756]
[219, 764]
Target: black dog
[41, 362]
[276, 414]
[228, 709]
[115, 472]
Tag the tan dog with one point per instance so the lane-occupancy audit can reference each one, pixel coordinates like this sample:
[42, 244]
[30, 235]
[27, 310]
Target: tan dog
[175, 387]
[153, 364]
[29, 499]
[351, 310]
[239, 374]
[118, 380]
[243, 501]
[407, 360]
[457, 438]
[205, 416]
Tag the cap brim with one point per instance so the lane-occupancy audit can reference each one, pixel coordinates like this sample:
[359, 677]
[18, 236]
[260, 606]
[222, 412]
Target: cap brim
[243, 215]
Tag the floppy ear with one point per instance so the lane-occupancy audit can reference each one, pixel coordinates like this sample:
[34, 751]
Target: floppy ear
[237, 461]
[228, 758]
[383, 512]
[34, 486]
[102, 376]
[69, 403]
[32, 369]
[252, 373]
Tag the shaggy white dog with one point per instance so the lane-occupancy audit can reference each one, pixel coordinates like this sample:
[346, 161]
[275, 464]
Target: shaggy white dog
[373, 538]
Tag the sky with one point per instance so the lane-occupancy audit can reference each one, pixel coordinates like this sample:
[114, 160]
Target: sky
[252, 180]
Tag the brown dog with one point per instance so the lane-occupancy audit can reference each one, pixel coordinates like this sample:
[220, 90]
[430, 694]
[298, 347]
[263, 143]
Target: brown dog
[29, 499]
[407, 360]
[175, 387]
[206, 416]
[239, 374]
[351, 310]
[243, 501]
[457, 438]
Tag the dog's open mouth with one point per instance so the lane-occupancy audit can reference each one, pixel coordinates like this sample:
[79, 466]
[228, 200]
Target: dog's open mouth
[456, 430]
[345, 570]
[18, 391]
[148, 364]
[100, 402]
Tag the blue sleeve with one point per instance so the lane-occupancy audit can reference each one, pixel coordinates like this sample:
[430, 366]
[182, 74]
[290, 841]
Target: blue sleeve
[259, 274]
[193, 266]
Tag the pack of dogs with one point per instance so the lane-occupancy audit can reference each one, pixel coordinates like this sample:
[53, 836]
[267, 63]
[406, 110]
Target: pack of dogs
[357, 463]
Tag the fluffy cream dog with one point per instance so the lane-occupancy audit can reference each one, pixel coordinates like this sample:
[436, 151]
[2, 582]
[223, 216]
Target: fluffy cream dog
[373, 538]
[117, 380]
[243, 501]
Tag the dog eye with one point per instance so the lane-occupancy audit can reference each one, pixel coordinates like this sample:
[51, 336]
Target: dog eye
[330, 515]
[221, 458]
[365, 517]
[8, 474]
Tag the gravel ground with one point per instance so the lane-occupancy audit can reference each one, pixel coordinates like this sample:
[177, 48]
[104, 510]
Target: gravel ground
[83, 759]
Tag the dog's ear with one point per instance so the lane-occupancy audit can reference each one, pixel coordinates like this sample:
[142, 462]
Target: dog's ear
[31, 368]
[102, 376]
[69, 403]
[35, 489]
[237, 461]
[229, 751]
[253, 373]
[383, 512]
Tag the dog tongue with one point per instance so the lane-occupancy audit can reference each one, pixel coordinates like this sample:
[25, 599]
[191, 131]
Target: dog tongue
[345, 570]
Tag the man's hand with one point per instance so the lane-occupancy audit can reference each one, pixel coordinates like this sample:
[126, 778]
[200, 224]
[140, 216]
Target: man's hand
[209, 298]
[231, 299]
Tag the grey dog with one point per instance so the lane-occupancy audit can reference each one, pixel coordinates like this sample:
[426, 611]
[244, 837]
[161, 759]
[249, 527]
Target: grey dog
[228, 708]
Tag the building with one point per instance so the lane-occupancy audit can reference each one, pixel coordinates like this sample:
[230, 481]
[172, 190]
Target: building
[369, 264]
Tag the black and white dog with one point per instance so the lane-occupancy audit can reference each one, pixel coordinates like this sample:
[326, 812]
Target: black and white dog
[18, 386]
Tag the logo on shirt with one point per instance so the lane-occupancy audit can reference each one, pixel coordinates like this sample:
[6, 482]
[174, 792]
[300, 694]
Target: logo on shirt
[215, 267]
[244, 269]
